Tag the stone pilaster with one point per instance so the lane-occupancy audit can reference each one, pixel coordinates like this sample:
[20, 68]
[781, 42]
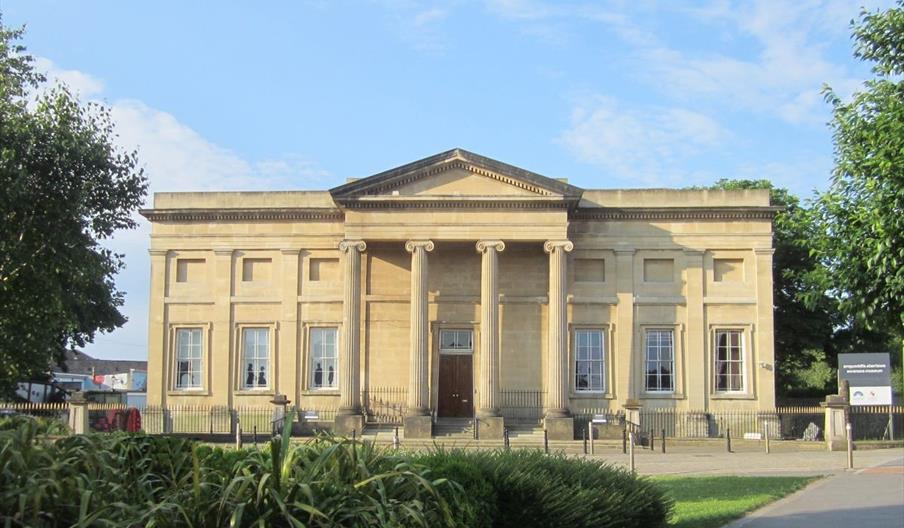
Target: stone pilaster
[488, 381]
[763, 363]
[349, 414]
[287, 363]
[697, 386]
[220, 381]
[418, 373]
[625, 381]
[159, 359]
[559, 424]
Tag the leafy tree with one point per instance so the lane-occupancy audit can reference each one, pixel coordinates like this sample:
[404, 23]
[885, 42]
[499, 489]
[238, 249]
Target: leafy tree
[861, 216]
[64, 188]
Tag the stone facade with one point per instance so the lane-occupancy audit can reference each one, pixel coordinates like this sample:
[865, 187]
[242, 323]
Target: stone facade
[459, 267]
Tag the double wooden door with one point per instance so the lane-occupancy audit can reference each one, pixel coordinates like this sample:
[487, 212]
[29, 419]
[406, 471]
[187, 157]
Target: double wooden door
[456, 386]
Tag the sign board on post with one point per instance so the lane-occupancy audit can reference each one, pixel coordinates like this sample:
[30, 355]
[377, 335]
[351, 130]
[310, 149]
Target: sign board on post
[869, 376]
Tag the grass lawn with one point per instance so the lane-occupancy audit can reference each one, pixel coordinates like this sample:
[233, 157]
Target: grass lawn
[709, 502]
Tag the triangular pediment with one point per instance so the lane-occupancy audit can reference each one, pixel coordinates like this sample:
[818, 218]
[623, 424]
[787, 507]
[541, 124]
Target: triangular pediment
[452, 176]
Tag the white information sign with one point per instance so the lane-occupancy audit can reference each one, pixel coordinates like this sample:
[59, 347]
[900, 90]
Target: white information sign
[871, 395]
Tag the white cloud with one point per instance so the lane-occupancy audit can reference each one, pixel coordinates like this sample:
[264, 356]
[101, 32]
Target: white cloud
[548, 20]
[81, 84]
[418, 25]
[175, 157]
[789, 68]
[646, 145]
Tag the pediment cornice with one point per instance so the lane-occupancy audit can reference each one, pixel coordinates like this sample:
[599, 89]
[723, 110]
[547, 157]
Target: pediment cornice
[383, 184]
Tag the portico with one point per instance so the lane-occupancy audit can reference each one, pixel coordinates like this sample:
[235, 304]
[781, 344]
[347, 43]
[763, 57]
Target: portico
[458, 281]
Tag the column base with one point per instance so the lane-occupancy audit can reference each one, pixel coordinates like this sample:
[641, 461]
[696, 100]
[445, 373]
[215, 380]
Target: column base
[346, 423]
[418, 427]
[490, 428]
[559, 428]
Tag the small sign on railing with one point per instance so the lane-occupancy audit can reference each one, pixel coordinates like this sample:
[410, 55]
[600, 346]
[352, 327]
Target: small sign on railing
[310, 416]
[600, 419]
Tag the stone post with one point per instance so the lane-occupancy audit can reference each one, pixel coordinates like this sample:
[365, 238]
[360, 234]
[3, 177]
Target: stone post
[836, 409]
[280, 402]
[559, 423]
[78, 413]
[418, 422]
[632, 411]
[491, 424]
[349, 417]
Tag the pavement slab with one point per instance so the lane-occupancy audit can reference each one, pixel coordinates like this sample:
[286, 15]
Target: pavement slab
[872, 497]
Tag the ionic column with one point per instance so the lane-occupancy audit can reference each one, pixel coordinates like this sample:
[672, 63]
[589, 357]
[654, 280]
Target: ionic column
[349, 362]
[418, 373]
[557, 332]
[488, 382]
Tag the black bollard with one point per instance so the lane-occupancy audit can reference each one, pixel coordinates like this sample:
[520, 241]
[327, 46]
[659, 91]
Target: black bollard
[728, 439]
[545, 441]
[663, 441]
[585, 440]
[652, 441]
[254, 430]
[505, 437]
[624, 441]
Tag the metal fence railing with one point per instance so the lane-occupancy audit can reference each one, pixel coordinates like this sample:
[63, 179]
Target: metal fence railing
[384, 405]
[522, 407]
[781, 423]
[518, 407]
[877, 422]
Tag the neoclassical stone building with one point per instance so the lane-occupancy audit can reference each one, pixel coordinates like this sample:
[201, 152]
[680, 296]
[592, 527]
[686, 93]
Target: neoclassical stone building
[457, 281]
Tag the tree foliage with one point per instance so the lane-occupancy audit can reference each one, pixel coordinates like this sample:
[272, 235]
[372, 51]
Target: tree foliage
[64, 188]
[861, 216]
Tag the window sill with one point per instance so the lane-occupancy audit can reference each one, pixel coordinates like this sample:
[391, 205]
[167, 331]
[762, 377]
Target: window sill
[187, 392]
[320, 392]
[732, 396]
[662, 396]
[588, 395]
[251, 392]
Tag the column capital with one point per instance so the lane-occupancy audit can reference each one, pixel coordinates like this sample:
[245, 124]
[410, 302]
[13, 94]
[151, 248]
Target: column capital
[358, 245]
[693, 252]
[624, 252]
[158, 252]
[294, 251]
[484, 245]
[764, 251]
[551, 246]
[411, 245]
[222, 252]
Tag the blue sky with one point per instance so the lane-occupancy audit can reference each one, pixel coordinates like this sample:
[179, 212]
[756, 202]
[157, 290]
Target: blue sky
[304, 94]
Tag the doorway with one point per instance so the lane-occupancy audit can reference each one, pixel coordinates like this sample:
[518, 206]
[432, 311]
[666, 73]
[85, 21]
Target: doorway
[456, 374]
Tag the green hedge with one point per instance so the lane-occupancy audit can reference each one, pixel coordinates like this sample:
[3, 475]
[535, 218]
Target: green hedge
[528, 488]
[137, 480]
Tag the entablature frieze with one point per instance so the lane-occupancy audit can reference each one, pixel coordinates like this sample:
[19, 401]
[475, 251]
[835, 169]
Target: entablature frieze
[676, 213]
[243, 214]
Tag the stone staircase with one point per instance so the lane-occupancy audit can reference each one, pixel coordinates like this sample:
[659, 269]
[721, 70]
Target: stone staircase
[453, 429]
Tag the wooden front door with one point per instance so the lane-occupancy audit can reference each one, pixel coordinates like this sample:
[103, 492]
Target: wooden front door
[456, 386]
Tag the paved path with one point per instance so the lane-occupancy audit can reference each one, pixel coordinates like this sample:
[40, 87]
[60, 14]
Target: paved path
[866, 498]
[722, 463]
